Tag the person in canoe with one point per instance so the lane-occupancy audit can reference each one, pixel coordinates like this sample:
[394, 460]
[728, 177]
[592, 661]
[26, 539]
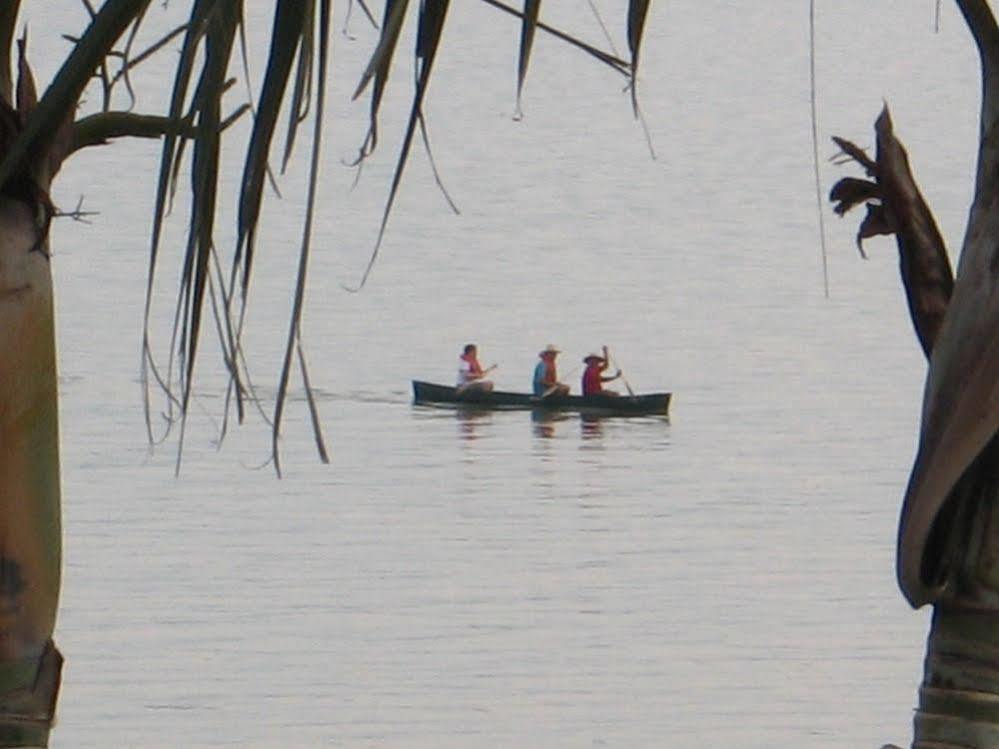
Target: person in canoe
[593, 375]
[471, 375]
[546, 382]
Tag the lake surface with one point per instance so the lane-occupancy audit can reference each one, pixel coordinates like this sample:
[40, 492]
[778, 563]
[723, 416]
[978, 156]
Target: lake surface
[450, 580]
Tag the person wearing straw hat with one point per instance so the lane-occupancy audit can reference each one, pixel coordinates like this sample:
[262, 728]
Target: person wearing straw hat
[546, 381]
[593, 375]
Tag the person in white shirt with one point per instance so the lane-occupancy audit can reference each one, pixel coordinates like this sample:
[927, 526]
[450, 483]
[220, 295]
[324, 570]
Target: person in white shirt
[471, 375]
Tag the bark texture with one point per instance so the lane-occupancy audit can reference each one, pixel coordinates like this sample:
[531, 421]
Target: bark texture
[959, 696]
[30, 532]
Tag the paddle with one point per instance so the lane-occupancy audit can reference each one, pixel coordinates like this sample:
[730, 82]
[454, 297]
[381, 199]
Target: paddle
[549, 391]
[619, 373]
[554, 387]
[461, 388]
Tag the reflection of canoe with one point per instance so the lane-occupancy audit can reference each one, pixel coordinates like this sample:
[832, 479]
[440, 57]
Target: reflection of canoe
[427, 393]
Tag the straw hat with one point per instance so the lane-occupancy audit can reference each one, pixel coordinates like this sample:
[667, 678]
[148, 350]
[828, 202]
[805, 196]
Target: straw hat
[550, 349]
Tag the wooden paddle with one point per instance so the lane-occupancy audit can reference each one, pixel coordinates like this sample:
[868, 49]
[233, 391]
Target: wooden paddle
[619, 373]
[554, 387]
[461, 388]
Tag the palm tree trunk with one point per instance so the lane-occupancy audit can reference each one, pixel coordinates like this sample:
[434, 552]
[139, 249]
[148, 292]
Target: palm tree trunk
[30, 526]
[959, 696]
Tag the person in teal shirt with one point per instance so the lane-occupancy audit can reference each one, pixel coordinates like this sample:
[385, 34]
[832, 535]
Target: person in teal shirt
[545, 383]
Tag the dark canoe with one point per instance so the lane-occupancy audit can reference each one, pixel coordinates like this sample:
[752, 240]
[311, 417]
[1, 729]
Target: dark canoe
[429, 394]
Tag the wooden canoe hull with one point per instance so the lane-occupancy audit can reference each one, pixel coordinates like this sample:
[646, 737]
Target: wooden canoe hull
[430, 394]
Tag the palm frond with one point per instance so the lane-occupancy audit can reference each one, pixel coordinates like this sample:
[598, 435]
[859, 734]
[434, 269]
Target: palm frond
[428, 36]
[613, 61]
[378, 70]
[125, 54]
[301, 96]
[293, 343]
[286, 37]
[131, 62]
[527, 29]
[196, 28]
[219, 40]
[194, 125]
[637, 11]
[367, 12]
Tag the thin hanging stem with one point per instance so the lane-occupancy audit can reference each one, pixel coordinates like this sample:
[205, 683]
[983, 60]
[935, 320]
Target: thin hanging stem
[603, 27]
[815, 145]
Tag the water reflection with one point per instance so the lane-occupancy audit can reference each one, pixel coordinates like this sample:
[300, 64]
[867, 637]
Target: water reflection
[591, 426]
[469, 420]
[544, 422]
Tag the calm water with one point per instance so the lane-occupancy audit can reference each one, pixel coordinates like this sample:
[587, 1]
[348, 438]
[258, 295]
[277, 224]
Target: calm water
[492, 581]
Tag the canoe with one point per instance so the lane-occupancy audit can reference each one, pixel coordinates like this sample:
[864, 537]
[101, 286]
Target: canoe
[430, 394]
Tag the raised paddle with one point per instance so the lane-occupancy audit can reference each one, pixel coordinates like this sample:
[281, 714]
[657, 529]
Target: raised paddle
[619, 373]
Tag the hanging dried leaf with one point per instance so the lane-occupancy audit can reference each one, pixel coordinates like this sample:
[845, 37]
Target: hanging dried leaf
[896, 206]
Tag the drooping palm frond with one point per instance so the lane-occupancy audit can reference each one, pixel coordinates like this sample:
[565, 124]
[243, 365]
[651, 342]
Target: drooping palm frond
[637, 11]
[293, 344]
[615, 62]
[195, 120]
[301, 97]
[378, 70]
[286, 39]
[428, 37]
[528, 26]
[130, 62]
[200, 82]
[169, 162]
[219, 38]
[432, 14]
[195, 124]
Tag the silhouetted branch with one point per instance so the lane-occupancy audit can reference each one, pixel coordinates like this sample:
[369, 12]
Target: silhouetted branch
[98, 129]
[77, 214]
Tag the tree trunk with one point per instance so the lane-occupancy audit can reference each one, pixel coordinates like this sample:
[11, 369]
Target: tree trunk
[959, 697]
[949, 530]
[30, 526]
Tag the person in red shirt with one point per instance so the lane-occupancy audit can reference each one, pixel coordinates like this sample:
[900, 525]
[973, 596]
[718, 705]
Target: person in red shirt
[593, 375]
